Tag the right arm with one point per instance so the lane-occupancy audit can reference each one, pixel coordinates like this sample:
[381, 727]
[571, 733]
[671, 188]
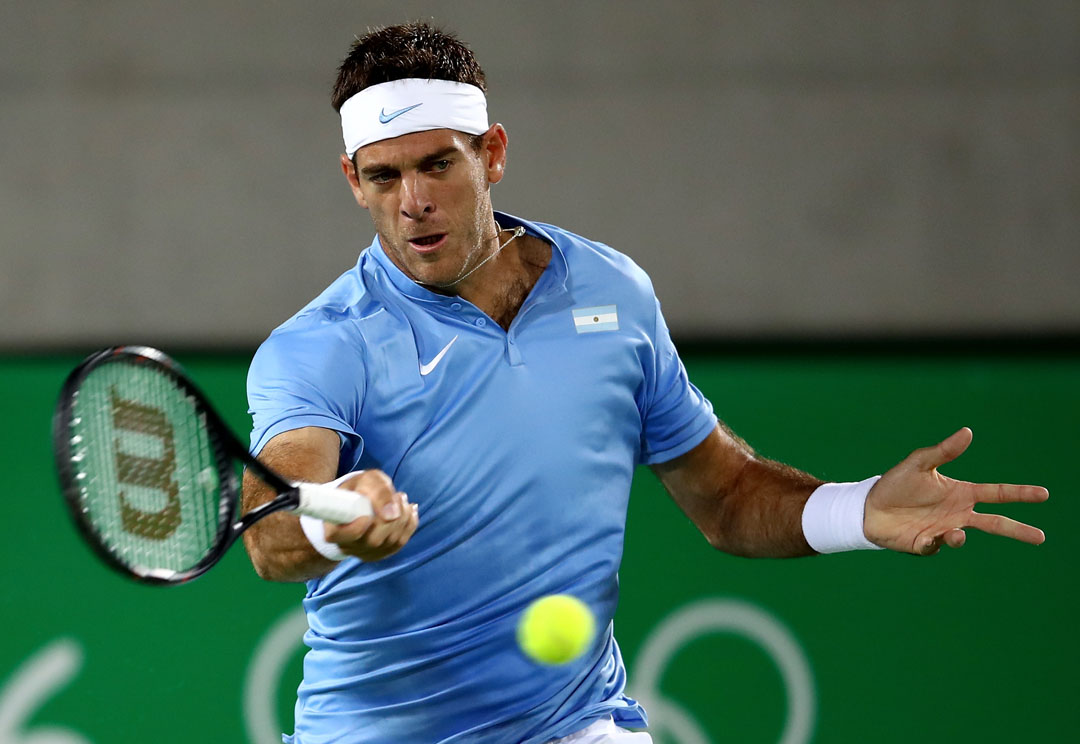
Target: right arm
[278, 548]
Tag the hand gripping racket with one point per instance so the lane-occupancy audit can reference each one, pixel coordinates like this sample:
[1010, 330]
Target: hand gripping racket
[149, 470]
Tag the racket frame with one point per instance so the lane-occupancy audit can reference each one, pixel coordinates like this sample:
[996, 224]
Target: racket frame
[226, 449]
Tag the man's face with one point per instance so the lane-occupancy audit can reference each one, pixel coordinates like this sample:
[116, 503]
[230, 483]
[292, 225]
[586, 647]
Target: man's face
[428, 197]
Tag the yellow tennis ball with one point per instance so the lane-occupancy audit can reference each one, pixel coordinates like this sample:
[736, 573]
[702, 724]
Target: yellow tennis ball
[556, 629]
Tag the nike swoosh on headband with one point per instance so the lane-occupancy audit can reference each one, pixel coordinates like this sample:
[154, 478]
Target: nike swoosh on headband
[426, 369]
[386, 118]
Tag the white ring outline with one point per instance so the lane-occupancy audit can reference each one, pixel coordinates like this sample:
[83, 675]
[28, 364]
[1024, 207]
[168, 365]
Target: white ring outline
[729, 615]
[264, 676]
[34, 681]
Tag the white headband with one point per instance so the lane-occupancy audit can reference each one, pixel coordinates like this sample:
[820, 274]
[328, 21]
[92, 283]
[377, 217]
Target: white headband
[411, 105]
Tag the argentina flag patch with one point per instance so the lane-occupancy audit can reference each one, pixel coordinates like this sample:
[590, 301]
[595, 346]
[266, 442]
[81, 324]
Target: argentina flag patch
[593, 319]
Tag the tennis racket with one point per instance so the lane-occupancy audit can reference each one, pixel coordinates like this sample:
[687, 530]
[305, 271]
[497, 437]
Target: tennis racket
[150, 474]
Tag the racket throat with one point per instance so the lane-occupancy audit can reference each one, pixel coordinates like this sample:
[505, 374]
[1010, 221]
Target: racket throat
[287, 501]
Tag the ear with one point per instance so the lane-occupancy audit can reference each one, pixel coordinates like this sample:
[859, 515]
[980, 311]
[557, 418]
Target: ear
[494, 152]
[349, 169]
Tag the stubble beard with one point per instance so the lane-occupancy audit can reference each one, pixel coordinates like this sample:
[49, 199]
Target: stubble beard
[481, 247]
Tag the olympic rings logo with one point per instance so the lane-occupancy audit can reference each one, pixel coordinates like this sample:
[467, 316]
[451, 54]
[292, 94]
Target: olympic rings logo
[55, 665]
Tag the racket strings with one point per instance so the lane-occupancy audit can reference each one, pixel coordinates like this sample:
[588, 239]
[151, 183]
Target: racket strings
[148, 476]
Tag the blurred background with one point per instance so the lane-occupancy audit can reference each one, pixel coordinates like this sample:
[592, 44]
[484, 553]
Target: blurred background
[862, 219]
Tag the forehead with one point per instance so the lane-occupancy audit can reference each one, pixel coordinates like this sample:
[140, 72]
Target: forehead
[410, 148]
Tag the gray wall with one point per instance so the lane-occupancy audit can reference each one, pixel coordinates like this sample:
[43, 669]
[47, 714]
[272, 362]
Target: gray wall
[785, 167]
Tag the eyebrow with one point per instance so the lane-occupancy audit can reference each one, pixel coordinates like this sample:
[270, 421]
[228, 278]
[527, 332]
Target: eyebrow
[371, 170]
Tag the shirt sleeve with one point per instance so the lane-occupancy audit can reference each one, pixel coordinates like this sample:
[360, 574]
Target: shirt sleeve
[675, 416]
[295, 381]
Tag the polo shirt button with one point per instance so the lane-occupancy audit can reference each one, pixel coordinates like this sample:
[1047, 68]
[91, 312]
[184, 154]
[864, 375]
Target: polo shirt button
[456, 306]
[481, 322]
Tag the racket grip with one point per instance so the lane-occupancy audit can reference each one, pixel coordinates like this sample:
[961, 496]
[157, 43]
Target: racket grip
[331, 504]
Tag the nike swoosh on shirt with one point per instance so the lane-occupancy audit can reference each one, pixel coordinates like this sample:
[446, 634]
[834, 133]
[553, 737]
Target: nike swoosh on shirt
[425, 369]
[386, 118]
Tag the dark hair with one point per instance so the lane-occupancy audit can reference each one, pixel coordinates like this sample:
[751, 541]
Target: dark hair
[411, 50]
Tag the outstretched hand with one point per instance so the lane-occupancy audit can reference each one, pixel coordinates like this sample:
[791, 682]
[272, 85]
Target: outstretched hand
[916, 509]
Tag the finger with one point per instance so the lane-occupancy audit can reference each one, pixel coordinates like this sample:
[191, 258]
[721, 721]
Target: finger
[928, 458]
[955, 538]
[927, 545]
[390, 510]
[402, 528]
[388, 532]
[1005, 493]
[377, 487]
[408, 525]
[995, 524]
[380, 490]
[374, 485]
[346, 533]
[364, 526]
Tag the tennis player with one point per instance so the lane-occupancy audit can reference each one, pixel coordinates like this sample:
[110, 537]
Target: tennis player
[491, 382]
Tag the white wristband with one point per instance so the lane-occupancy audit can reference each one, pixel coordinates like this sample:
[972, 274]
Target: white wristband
[314, 529]
[832, 519]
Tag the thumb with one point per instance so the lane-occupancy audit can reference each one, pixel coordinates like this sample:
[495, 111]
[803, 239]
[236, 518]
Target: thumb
[949, 449]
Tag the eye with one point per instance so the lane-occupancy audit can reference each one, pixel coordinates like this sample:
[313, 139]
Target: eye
[440, 165]
[382, 177]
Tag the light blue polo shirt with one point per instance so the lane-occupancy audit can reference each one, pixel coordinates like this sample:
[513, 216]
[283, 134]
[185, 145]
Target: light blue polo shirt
[518, 447]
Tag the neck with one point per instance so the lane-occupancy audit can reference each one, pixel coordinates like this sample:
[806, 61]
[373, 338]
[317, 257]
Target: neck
[490, 272]
[507, 280]
[500, 281]
[515, 233]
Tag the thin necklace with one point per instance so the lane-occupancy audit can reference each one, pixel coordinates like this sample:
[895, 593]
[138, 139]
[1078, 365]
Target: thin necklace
[518, 232]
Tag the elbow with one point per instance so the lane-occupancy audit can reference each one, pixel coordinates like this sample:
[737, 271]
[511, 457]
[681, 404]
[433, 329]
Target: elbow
[729, 541]
[715, 521]
[725, 526]
[715, 528]
[721, 540]
[716, 540]
[287, 565]
[267, 565]
[278, 571]
[264, 567]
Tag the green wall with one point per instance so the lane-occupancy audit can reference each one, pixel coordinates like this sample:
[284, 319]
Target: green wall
[975, 644]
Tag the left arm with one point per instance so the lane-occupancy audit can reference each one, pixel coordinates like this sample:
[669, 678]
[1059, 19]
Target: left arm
[750, 506]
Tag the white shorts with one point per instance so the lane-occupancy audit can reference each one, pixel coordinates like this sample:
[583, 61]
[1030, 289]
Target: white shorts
[604, 732]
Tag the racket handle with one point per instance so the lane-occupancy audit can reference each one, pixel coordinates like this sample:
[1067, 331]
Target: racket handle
[331, 504]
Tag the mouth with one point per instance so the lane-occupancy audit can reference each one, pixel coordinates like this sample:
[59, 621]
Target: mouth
[427, 243]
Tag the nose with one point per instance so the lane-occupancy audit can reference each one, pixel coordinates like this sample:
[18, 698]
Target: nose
[416, 202]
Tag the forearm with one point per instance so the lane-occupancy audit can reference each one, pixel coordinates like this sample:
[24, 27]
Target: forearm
[760, 514]
[277, 546]
[742, 503]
